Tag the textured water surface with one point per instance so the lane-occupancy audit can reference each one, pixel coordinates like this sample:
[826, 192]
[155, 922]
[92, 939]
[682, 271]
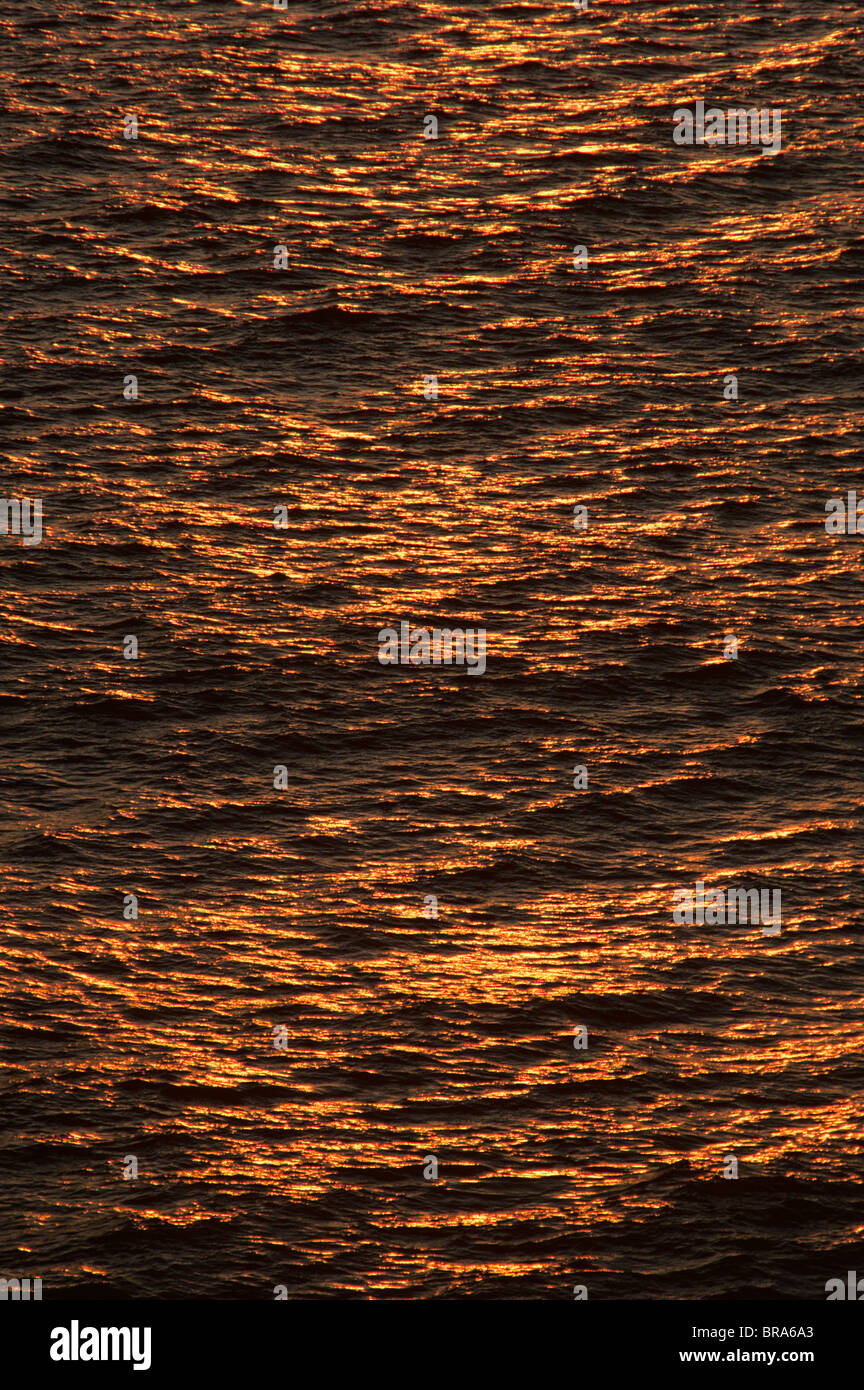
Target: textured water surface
[410, 1036]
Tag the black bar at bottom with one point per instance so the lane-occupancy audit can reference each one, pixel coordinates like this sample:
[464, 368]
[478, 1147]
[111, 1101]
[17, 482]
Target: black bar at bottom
[418, 1342]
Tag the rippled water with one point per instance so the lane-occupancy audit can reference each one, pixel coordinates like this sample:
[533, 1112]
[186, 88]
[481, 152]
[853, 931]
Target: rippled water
[410, 1036]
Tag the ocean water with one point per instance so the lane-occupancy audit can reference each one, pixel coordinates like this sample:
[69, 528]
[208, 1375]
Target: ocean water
[411, 1036]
